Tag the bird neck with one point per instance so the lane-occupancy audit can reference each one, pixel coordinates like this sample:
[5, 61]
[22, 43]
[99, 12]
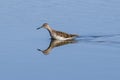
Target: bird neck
[50, 30]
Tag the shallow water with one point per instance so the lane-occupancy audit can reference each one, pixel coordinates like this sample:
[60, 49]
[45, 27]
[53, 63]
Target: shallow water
[94, 56]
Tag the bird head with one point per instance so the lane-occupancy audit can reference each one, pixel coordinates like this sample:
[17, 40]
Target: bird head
[45, 25]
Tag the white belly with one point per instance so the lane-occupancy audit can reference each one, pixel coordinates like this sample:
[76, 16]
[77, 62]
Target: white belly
[61, 38]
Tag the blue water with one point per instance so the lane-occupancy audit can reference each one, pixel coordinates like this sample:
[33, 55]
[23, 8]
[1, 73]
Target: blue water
[93, 56]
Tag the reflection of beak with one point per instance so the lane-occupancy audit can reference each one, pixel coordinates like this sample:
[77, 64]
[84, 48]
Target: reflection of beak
[39, 27]
[39, 49]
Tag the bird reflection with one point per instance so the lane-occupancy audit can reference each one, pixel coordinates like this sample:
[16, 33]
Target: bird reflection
[56, 43]
[93, 39]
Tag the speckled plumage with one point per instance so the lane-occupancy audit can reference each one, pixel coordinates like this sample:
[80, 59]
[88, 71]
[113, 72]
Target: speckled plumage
[58, 35]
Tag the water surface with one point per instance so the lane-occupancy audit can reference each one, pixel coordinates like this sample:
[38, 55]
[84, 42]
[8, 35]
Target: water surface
[94, 56]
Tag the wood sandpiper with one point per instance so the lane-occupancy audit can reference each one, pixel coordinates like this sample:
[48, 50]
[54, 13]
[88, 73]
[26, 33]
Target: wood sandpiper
[58, 35]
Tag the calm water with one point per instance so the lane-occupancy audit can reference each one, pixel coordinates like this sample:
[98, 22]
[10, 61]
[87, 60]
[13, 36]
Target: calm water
[94, 56]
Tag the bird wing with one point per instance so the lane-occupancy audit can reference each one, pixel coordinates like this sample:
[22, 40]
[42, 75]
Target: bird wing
[66, 35]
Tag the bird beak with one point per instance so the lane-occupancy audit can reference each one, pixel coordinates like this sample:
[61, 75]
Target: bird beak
[39, 49]
[39, 27]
